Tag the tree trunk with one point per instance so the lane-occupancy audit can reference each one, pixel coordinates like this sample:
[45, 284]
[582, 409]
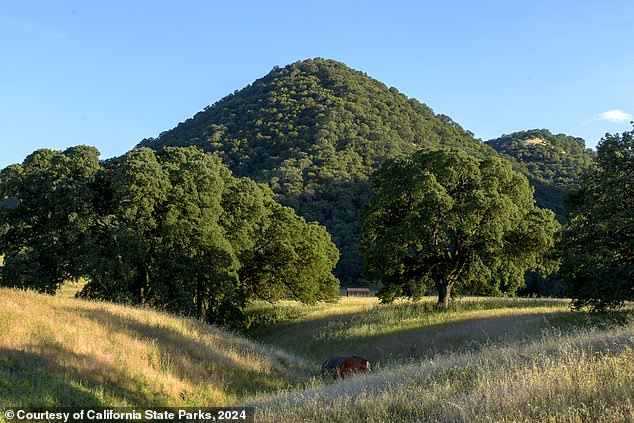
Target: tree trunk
[142, 280]
[199, 299]
[444, 293]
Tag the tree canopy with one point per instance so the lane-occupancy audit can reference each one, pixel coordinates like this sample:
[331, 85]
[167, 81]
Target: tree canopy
[444, 220]
[598, 243]
[174, 230]
[46, 215]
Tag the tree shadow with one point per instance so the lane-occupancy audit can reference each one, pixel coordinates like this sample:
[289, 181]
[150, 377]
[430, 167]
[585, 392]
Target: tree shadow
[48, 378]
[344, 334]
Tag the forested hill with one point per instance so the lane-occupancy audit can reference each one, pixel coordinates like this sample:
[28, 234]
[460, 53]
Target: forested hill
[552, 163]
[314, 131]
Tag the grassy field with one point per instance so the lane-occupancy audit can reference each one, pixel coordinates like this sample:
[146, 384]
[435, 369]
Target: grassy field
[484, 359]
[580, 376]
[406, 331]
[63, 351]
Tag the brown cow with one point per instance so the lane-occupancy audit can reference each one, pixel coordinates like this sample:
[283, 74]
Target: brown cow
[342, 366]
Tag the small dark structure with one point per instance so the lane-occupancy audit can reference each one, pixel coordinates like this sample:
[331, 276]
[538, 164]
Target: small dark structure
[357, 292]
[342, 366]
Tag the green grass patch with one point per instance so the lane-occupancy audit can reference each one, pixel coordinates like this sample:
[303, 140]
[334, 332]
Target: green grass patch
[410, 330]
[70, 288]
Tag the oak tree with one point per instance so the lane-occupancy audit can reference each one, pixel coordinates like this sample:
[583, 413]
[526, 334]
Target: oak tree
[597, 245]
[444, 220]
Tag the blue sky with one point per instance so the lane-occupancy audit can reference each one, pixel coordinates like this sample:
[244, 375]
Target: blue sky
[110, 73]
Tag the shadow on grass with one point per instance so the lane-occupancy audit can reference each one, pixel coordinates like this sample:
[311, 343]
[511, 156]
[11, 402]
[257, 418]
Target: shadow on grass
[30, 379]
[344, 335]
[230, 364]
[378, 314]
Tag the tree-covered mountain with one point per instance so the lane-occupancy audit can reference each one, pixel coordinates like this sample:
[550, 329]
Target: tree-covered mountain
[314, 131]
[552, 163]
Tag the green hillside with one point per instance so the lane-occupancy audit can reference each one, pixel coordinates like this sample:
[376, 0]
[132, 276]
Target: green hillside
[314, 130]
[552, 163]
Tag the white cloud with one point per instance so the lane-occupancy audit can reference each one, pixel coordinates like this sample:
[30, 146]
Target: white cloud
[612, 116]
[615, 116]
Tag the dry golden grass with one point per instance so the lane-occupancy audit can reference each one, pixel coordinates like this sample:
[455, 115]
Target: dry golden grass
[585, 375]
[484, 359]
[536, 140]
[63, 351]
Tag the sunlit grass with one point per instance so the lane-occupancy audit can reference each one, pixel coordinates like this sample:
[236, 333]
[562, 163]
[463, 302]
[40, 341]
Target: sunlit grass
[266, 314]
[404, 316]
[70, 288]
[483, 359]
[62, 351]
[409, 330]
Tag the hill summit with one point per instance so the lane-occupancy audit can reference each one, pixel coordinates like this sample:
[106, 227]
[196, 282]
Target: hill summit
[314, 131]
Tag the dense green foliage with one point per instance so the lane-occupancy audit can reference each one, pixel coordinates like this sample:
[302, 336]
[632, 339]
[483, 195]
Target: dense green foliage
[598, 243]
[314, 131]
[42, 234]
[443, 219]
[173, 230]
[552, 163]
